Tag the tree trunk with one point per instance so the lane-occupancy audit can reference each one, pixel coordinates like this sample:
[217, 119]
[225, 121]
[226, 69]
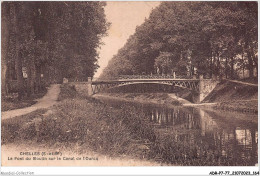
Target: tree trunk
[45, 79]
[214, 65]
[232, 68]
[38, 79]
[31, 77]
[250, 61]
[250, 65]
[226, 68]
[211, 65]
[3, 64]
[3, 77]
[4, 47]
[254, 58]
[243, 63]
[218, 64]
[192, 70]
[19, 73]
[18, 60]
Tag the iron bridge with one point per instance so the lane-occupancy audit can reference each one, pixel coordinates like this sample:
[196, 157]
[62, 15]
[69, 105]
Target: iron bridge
[188, 83]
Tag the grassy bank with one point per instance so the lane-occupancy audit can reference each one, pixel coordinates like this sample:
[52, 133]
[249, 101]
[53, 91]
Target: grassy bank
[86, 122]
[250, 106]
[232, 96]
[230, 91]
[20, 128]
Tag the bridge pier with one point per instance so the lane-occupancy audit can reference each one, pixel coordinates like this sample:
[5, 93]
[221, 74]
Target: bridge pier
[205, 87]
[90, 90]
[201, 85]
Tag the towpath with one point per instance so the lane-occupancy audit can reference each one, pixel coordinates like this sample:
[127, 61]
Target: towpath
[241, 82]
[47, 101]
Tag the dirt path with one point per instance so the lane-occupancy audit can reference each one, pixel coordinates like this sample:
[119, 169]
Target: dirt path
[199, 104]
[241, 82]
[48, 100]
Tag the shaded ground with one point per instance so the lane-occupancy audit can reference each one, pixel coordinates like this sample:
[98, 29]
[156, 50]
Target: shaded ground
[11, 102]
[48, 100]
[11, 105]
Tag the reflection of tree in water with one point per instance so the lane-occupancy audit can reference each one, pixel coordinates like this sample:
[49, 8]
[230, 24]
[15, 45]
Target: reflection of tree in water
[200, 140]
[171, 117]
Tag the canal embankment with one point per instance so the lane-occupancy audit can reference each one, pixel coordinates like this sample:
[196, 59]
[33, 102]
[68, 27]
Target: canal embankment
[234, 96]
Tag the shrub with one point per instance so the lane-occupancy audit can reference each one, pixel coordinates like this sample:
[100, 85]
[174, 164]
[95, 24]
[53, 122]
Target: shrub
[67, 91]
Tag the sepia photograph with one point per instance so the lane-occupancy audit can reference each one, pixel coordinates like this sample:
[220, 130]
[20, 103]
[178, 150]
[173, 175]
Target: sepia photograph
[129, 83]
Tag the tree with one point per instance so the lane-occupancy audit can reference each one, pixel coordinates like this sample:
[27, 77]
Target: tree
[195, 38]
[51, 39]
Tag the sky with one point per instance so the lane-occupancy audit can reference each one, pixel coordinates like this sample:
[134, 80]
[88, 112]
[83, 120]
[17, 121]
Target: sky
[124, 17]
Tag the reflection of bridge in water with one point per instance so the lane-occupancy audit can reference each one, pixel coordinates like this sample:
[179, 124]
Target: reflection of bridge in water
[202, 86]
[189, 134]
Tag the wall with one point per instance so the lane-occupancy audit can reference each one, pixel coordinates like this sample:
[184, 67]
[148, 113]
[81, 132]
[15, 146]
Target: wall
[205, 87]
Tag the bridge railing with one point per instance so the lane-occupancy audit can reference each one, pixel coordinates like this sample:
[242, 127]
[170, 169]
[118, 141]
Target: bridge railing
[153, 77]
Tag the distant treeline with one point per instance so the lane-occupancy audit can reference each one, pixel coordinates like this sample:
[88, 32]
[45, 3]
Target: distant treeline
[48, 41]
[192, 38]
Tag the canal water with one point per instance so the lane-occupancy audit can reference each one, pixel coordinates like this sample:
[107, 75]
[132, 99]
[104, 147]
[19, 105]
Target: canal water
[200, 137]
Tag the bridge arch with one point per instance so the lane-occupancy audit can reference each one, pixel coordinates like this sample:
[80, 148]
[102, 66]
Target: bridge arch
[149, 86]
[96, 88]
[136, 83]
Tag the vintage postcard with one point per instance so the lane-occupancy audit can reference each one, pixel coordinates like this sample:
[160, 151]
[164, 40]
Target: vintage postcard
[131, 83]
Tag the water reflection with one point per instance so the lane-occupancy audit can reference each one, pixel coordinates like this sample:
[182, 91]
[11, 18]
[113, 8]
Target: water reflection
[199, 137]
[236, 141]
